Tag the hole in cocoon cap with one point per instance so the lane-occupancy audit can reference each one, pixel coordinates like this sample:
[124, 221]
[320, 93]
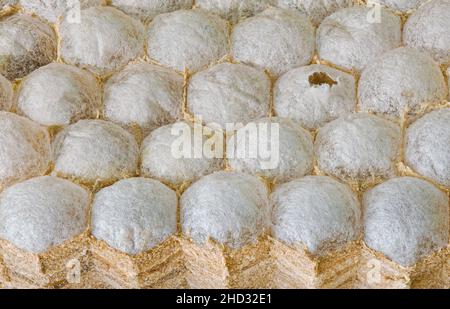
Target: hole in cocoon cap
[321, 78]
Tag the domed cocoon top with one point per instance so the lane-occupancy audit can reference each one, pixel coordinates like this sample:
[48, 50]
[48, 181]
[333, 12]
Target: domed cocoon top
[350, 39]
[146, 10]
[406, 219]
[234, 10]
[316, 211]
[428, 30]
[229, 93]
[358, 147]
[6, 94]
[134, 215]
[163, 154]
[427, 146]
[43, 212]
[402, 81]
[314, 95]
[26, 44]
[59, 94]
[51, 10]
[103, 41]
[316, 10]
[230, 208]
[144, 95]
[24, 149]
[277, 40]
[282, 149]
[402, 5]
[94, 151]
[187, 39]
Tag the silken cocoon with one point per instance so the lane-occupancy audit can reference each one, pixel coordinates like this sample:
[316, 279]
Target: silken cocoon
[358, 147]
[234, 10]
[277, 40]
[144, 95]
[407, 221]
[104, 41]
[314, 95]
[146, 10]
[350, 40]
[26, 44]
[58, 95]
[427, 146]
[24, 149]
[401, 82]
[95, 152]
[403, 6]
[283, 153]
[51, 10]
[229, 93]
[427, 29]
[159, 159]
[6, 94]
[187, 39]
[317, 10]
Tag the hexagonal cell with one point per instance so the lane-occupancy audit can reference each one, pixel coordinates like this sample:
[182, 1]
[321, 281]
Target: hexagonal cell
[316, 230]
[361, 148]
[58, 95]
[118, 39]
[6, 94]
[350, 40]
[187, 39]
[314, 95]
[52, 10]
[145, 96]
[406, 224]
[183, 166]
[95, 152]
[43, 224]
[275, 148]
[277, 40]
[26, 44]
[146, 10]
[25, 149]
[225, 214]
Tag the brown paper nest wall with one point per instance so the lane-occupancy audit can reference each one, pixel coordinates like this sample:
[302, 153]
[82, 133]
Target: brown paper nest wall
[180, 262]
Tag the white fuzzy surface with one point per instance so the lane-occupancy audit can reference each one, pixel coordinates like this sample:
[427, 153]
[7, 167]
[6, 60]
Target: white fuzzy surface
[95, 150]
[347, 38]
[234, 10]
[43, 212]
[6, 94]
[158, 160]
[230, 208]
[59, 94]
[402, 5]
[24, 149]
[134, 215]
[358, 147]
[7, 3]
[295, 149]
[146, 10]
[229, 93]
[26, 44]
[105, 40]
[316, 211]
[427, 148]
[402, 81]
[51, 10]
[317, 10]
[314, 104]
[428, 30]
[277, 40]
[406, 219]
[145, 95]
[187, 39]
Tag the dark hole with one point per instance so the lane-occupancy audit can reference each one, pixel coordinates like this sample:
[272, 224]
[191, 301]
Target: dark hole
[320, 78]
